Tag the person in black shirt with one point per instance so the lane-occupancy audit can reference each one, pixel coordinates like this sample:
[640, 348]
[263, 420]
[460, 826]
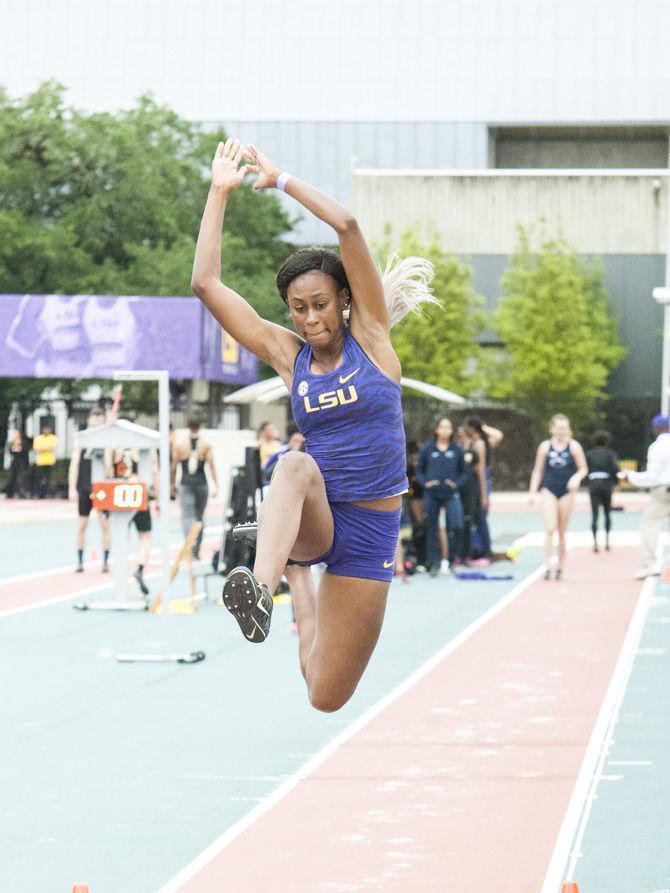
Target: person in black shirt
[474, 493]
[18, 466]
[440, 470]
[415, 507]
[79, 490]
[602, 477]
[193, 456]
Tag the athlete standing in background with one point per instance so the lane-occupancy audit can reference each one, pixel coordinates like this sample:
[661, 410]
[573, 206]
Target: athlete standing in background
[193, 455]
[560, 467]
[338, 502]
[79, 490]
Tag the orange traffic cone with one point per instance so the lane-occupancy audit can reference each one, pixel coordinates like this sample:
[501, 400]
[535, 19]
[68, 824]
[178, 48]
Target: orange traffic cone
[568, 887]
[81, 888]
[94, 554]
[665, 576]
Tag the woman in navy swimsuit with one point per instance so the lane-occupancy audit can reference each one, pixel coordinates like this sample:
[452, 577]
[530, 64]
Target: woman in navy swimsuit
[339, 501]
[560, 467]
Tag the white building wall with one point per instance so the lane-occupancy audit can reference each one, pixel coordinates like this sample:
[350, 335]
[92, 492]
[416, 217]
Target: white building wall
[349, 60]
[477, 212]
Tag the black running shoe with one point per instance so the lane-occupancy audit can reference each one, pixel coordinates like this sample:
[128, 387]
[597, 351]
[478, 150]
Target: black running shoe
[247, 534]
[249, 602]
[144, 589]
[79, 569]
[547, 575]
[559, 574]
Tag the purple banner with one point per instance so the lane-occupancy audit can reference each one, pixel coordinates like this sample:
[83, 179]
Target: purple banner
[91, 336]
[222, 358]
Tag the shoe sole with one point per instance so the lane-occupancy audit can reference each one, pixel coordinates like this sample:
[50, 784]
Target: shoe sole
[239, 597]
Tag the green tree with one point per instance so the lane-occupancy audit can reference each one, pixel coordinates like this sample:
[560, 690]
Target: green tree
[111, 203]
[440, 345]
[559, 334]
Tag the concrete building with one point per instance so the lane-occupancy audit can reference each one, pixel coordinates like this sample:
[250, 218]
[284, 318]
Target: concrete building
[619, 215]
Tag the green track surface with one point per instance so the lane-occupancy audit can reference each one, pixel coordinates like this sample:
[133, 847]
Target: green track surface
[120, 774]
[626, 847]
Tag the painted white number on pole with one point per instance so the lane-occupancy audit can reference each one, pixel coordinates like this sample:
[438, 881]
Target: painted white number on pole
[128, 496]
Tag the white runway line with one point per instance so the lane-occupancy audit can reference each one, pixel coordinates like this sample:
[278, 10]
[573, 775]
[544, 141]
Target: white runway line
[567, 853]
[107, 584]
[218, 845]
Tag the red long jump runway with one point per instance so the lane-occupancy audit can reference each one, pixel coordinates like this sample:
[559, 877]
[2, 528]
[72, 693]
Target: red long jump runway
[35, 590]
[28, 591]
[462, 781]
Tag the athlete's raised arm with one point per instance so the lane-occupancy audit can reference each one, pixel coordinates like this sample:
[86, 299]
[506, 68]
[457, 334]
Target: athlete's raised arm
[369, 320]
[274, 344]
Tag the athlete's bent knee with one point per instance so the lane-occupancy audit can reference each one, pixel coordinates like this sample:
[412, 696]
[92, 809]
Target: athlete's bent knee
[296, 464]
[327, 700]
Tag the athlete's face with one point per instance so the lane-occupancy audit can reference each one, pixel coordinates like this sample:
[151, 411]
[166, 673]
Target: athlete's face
[444, 429]
[95, 420]
[560, 429]
[316, 307]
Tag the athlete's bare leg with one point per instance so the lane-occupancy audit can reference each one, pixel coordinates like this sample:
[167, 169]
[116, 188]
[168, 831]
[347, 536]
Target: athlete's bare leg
[82, 524]
[104, 526]
[349, 616]
[143, 546]
[295, 520]
[565, 506]
[550, 512]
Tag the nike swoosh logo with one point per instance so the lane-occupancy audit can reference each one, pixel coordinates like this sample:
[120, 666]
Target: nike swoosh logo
[388, 564]
[345, 378]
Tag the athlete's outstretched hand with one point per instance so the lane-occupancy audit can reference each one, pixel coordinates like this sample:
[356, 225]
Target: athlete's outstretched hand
[226, 171]
[260, 164]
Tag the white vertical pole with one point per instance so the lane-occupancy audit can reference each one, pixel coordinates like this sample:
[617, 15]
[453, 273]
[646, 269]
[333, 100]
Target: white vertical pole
[164, 494]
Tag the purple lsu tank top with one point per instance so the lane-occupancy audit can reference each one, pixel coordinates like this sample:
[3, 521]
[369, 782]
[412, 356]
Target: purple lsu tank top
[351, 419]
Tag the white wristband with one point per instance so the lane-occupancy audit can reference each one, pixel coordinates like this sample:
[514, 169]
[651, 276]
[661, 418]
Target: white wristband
[282, 180]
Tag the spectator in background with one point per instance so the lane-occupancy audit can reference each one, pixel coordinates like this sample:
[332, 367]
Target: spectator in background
[18, 465]
[193, 455]
[602, 477]
[657, 479]
[416, 508]
[79, 489]
[45, 458]
[440, 470]
[268, 441]
[490, 437]
[474, 496]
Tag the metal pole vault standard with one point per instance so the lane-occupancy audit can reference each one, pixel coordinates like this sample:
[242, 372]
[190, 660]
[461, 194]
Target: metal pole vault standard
[162, 376]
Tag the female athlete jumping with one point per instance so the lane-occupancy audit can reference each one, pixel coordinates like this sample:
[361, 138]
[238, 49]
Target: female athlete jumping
[338, 502]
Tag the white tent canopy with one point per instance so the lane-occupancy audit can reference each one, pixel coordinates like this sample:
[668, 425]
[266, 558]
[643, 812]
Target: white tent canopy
[272, 389]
